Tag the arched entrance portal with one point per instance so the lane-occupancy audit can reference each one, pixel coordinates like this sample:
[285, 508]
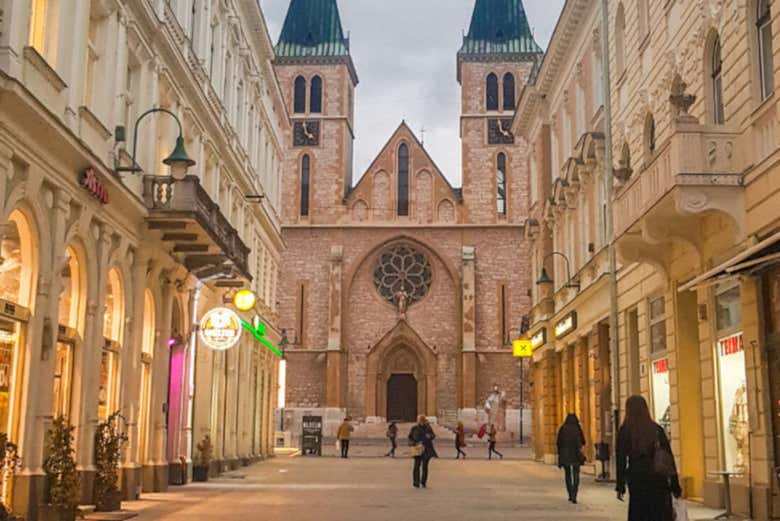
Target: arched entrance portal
[401, 376]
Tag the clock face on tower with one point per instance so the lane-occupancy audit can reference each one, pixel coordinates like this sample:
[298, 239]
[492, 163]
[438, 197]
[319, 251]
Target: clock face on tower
[500, 131]
[306, 133]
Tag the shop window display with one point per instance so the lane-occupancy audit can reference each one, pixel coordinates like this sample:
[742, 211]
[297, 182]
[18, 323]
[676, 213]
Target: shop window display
[730, 352]
[661, 394]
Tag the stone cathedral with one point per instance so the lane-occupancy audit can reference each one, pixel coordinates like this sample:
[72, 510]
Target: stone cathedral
[399, 293]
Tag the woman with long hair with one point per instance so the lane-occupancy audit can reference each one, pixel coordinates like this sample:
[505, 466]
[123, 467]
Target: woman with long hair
[571, 440]
[421, 440]
[645, 463]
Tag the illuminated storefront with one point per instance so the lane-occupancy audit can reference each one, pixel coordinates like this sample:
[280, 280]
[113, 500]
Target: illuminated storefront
[732, 381]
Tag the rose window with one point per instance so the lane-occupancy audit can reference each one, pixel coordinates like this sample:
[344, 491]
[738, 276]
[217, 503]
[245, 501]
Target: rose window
[403, 269]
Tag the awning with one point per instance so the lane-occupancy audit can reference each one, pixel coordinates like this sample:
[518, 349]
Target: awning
[756, 257]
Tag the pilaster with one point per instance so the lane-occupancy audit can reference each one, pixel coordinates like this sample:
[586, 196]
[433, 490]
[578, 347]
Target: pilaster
[469, 328]
[336, 381]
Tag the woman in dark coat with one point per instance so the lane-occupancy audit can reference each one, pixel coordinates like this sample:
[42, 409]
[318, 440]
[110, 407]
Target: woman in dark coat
[650, 489]
[571, 440]
[422, 434]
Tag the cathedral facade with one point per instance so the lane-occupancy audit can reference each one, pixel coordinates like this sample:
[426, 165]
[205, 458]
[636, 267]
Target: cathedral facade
[400, 294]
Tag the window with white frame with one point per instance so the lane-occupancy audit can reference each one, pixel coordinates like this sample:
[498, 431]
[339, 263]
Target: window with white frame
[580, 107]
[765, 55]
[92, 63]
[657, 316]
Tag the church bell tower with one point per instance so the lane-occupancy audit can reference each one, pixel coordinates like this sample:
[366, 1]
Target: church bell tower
[498, 57]
[318, 80]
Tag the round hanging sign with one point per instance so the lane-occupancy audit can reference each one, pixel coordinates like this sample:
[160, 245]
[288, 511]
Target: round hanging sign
[244, 300]
[220, 329]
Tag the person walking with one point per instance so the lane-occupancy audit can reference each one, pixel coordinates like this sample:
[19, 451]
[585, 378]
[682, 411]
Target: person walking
[645, 463]
[421, 440]
[460, 440]
[392, 435]
[344, 434]
[571, 440]
[492, 434]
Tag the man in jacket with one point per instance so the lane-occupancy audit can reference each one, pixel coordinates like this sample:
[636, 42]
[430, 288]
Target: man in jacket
[344, 434]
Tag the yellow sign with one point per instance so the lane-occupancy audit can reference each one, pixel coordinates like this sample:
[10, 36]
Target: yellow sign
[244, 300]
[522, 349]
[220, 329]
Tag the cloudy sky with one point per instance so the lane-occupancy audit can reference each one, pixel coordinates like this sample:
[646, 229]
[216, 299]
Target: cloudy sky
[404, 52]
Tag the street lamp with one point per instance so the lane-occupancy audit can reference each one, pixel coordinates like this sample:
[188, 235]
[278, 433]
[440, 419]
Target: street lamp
[178, 160]
[544, 278]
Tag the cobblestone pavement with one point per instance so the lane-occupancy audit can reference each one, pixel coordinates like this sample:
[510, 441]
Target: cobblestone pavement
[379, 489]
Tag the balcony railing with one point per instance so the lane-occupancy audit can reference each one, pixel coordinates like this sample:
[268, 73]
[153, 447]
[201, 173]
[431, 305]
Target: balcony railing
[189, 218]
[696, 156]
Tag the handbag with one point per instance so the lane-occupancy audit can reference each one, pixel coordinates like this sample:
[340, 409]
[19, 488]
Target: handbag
[680, 510]
[416, 451]
[663, 461]
[581, 457]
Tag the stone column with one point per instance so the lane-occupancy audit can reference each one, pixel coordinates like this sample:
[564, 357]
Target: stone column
[550, 407]
[582, 386]
[469, 329]
[155, 469]
[336, 379]
[87, 367]
[131, 375]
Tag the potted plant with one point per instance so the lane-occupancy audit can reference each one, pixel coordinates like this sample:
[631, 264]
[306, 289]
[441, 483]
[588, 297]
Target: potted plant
[62, 478]
[200, 471]
[9, 464]
[109, 440]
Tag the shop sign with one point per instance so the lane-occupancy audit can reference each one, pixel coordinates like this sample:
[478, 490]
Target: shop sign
[731, 345]
[220, 329]
[90, 181]
[258, 331]
[566, 325]
[661, 366]
[244, 300]
[539, 339]
[522, 349]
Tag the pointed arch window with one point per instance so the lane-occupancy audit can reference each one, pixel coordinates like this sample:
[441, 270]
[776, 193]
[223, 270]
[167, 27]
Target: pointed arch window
[509, 91]
[403, 179]
[305, 184]
[718, 113]
[315, 103]
[501, 184]
[765, 62]
[491, 92]
[300, 95]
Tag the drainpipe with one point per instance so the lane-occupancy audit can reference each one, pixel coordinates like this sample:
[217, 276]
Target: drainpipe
[609, 182]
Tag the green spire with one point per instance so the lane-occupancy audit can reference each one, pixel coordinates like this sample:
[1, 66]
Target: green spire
[312, 28]
[499, 27]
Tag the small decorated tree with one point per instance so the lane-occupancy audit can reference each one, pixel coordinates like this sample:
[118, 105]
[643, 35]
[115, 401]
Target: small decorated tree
[200, 471]
[9, 464]
[109, 440]
[61, 475]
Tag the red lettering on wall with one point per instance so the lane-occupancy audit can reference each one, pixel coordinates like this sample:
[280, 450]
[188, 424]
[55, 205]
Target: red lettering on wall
[90, 181]
[661, 366]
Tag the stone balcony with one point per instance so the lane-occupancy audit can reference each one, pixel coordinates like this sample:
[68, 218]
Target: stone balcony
[694, 175]
[199, 234]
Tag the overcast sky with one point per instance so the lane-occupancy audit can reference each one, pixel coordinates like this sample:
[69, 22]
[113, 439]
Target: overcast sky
[404, 52]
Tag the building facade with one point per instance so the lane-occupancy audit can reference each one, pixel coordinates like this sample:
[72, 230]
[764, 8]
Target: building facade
[401, 293]
[561, 116]
[695, 146]
[107, 264]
